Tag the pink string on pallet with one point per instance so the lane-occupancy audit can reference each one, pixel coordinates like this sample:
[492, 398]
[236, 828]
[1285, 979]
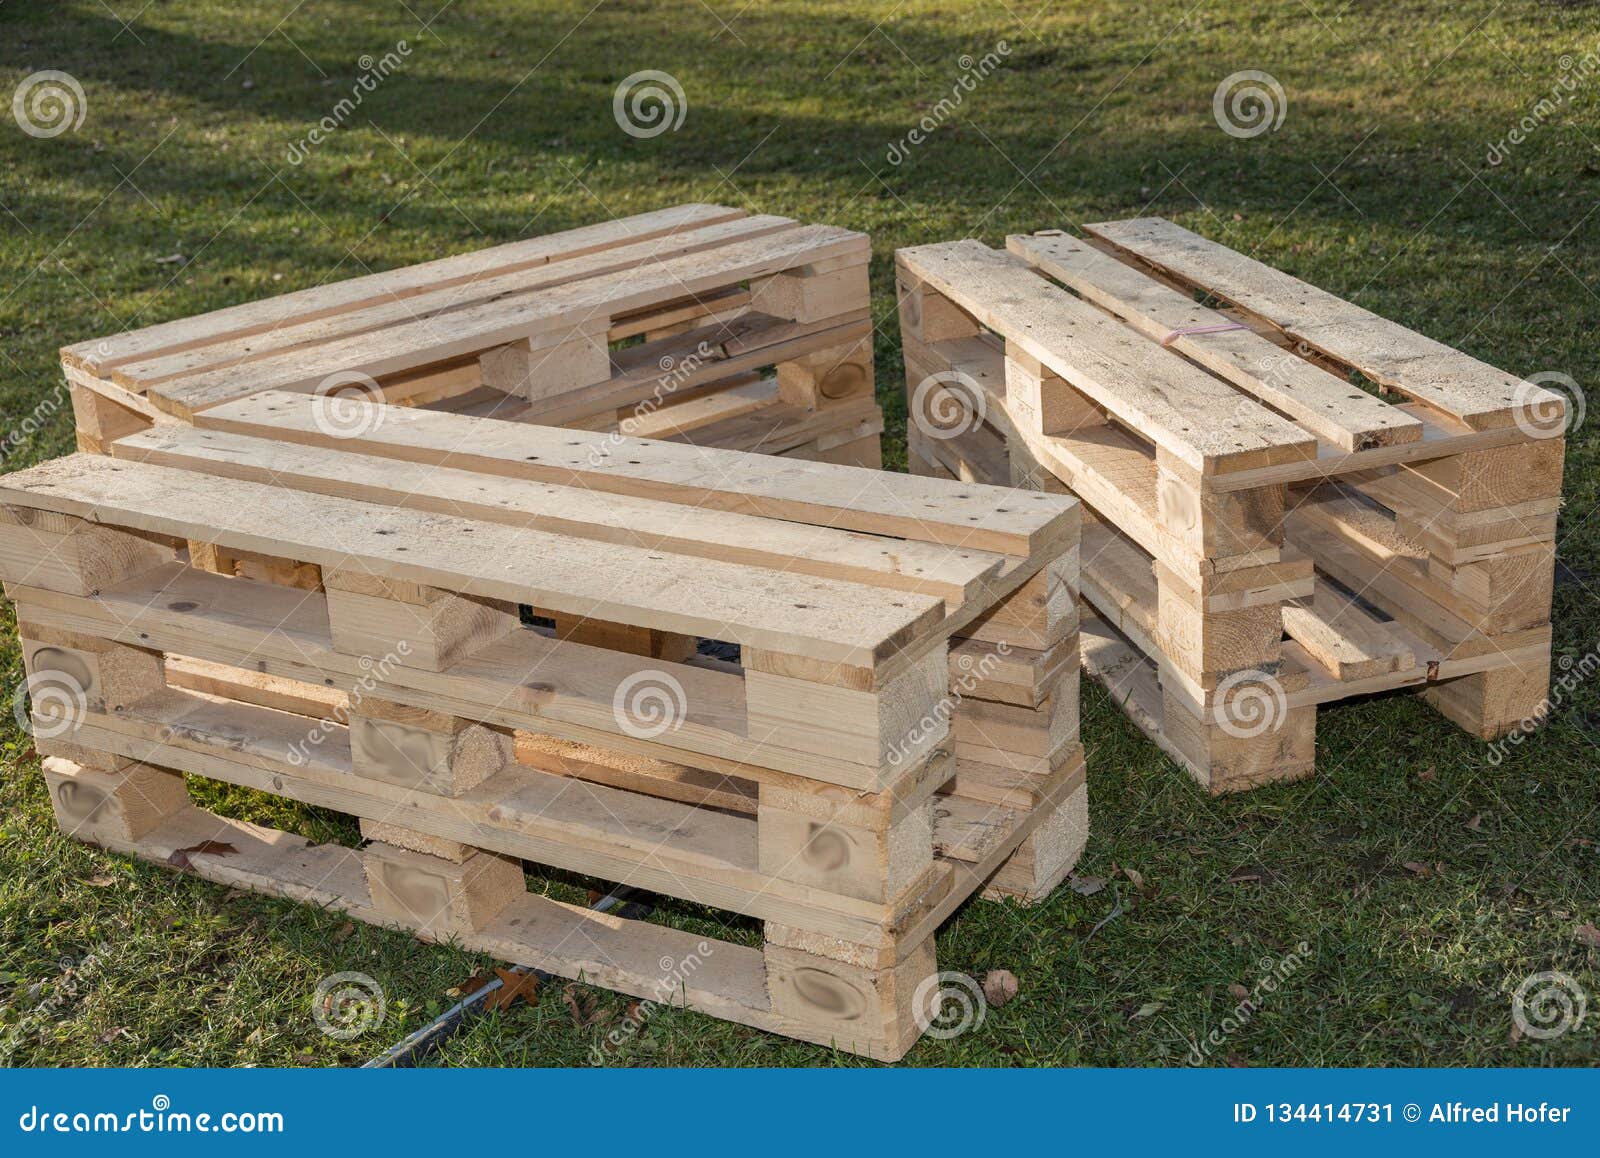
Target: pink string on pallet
[1221, 327]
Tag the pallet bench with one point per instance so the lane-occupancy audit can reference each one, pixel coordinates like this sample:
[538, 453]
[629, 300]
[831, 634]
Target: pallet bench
[696, 323]
[1262, 534]
[487, 641]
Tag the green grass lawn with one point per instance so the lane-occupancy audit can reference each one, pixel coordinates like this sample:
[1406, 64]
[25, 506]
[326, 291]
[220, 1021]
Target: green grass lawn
[499, 124]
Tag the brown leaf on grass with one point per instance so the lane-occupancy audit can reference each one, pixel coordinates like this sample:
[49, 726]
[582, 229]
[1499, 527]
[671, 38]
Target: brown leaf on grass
[1417, 868]
[999, 986]
[1135, 876]
[1148, 1009]
[111, 1035]
[1475, 823]
[1087, 886]
[580, 1004]
[1248, 875]
[1589, 935]
[344, 932]
[514, 987]
[102, 881]
[1428, 773]
[180, 858]
[1239, 992]
[479, 978]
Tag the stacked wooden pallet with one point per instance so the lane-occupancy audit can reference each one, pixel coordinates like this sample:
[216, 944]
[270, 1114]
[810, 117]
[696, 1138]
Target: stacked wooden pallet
[488, 641]
[1262, 534]
[697, 323]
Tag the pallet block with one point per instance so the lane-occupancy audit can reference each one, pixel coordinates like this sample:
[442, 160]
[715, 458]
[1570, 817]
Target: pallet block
[1261, 534]
[696, 323]
[500, 660]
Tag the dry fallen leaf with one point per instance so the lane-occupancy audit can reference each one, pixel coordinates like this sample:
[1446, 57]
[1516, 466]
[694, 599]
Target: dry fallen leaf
[999, 986]
[343, 932]
[1417, 868]
[579, 1004]
[1428, 773]
[1475, 823]
[1149, 1009]
[100, 882]
[514, 987]
[1589, 935]
[1135, 876]
[1087, 886]
[1243, 876]
[1238, 991]
[471, 985]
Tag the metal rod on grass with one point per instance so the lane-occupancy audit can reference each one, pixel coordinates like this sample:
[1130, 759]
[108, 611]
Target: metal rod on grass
[409, 1049]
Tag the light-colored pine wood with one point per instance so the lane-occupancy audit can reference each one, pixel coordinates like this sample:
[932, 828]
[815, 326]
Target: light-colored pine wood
[877, 503]
[1150, 389]
[828, 620]
[1387, 352]
[1331, 409]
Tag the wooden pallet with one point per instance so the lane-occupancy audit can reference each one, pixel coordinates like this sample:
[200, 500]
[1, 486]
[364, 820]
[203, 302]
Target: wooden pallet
[488, 641]
[1262, 535]
[694, 324]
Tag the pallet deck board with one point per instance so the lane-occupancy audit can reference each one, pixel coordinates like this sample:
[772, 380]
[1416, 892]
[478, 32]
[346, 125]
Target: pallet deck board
[874, 502]
[1430, 371]
[1329, 407]
[1156, 390]
[609, 518]
[102, 355]
[826, 620]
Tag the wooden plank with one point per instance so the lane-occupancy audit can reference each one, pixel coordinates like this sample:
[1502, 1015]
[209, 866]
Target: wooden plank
[101, 355]
[551, 313]
[952, 575]
[438, 304]
[1152, 390]
[698, 854]
[1330, 408]
[1431, 372]
[527, 681]
[1342, 637]
[802, 615]
[855, 499]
